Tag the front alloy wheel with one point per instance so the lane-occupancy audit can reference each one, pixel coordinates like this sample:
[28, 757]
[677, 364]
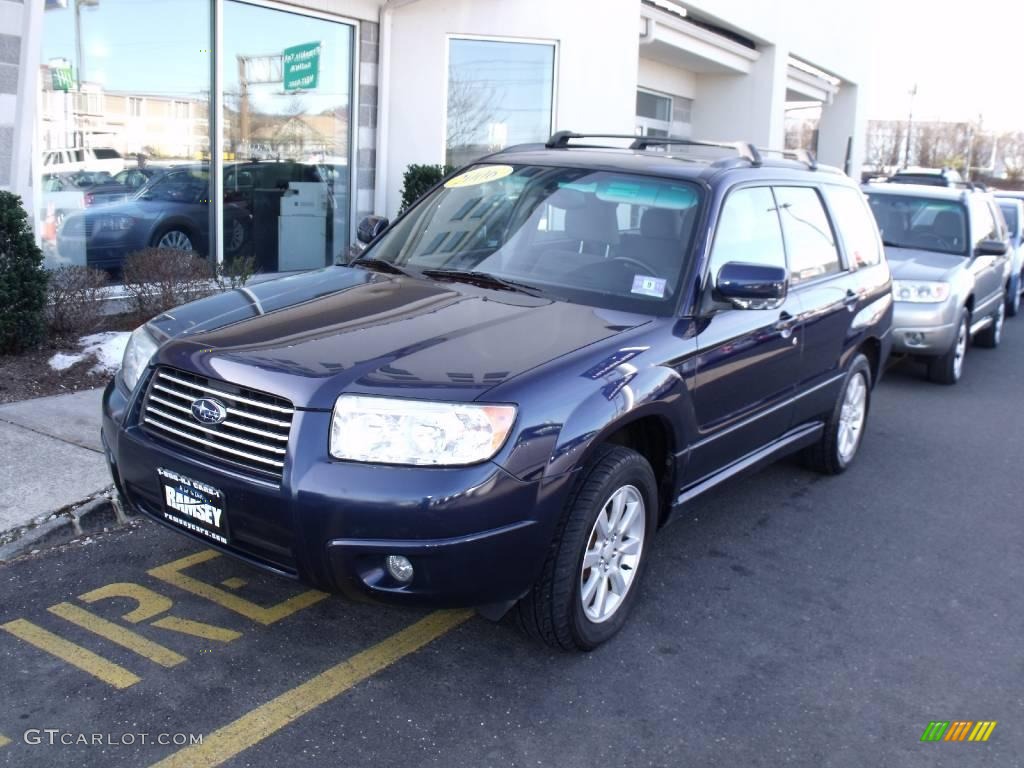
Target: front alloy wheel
[613, 554]
[590, 577]
[176, 240]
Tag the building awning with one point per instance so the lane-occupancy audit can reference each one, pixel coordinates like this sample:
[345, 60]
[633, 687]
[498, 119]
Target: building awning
[807, 83]
[670, 39]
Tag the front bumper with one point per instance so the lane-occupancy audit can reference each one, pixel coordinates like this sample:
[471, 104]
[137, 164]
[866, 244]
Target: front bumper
[475, 535]
[923, 329]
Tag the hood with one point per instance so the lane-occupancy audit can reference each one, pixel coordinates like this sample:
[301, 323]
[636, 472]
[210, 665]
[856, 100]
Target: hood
[311, 337]
[914, 264]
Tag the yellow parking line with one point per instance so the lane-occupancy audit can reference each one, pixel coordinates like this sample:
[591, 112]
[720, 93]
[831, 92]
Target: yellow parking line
[252, 728]
[4, 741]
[75, 655]
[197, 629]
[234, 583]
[133, 641]
[172, 574]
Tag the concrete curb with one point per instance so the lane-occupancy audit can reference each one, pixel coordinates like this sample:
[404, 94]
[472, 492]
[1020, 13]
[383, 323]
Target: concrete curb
[100, 513]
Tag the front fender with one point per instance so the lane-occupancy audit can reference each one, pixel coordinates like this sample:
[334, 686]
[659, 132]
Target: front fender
[616, 402]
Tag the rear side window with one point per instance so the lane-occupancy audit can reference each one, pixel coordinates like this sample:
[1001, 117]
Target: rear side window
[856, 225]
[810, 245]
[748, 231]
[1010, 214]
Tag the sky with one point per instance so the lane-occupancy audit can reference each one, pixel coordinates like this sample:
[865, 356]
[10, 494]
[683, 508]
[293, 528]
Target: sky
[162, 47]
[967, 58]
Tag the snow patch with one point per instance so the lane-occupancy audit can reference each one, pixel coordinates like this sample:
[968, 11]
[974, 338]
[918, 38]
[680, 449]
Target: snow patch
[106, 349]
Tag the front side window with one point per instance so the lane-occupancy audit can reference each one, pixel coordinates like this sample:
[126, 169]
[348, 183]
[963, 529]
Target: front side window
[983, 222]
[598, 238]
[810, 244]
[923, 223]
[1010, 214]
[499, 94]
[856, 225]
[748, 231]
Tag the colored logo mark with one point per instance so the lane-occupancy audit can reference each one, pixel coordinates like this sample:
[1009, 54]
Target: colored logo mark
[958, 730]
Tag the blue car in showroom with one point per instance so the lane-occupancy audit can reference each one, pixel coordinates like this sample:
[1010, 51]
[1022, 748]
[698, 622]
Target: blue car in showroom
[500, 401]
[171, 211]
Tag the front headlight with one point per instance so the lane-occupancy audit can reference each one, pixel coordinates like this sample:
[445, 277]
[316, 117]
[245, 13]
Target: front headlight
[393, 431]
[138, 353]
[920, 291]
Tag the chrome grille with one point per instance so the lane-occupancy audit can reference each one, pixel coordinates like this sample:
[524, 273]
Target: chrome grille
[254, 434]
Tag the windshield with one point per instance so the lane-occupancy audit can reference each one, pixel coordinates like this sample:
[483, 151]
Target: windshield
[180, 186]
[1010, 214]
[605, 239]
[920, 222]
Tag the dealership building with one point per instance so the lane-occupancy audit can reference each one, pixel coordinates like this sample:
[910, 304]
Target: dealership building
[272, 127]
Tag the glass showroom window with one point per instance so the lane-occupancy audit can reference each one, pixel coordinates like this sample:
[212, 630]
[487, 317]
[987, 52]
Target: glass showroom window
[287, 127]
[112, 74]
[125, 133]
[499, 94]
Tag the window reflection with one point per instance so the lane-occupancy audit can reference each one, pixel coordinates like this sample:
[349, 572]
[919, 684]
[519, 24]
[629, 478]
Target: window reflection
[499, 94]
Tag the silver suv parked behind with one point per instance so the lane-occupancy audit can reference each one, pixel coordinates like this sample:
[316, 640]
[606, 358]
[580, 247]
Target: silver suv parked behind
[947, 251]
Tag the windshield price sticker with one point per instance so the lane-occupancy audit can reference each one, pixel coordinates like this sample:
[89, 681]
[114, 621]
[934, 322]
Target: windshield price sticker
[649, 286]
[479, 176]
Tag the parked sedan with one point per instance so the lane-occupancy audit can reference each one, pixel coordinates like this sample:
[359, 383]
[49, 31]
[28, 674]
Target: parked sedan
[171, 211]
[947, 251]
[1012, 206]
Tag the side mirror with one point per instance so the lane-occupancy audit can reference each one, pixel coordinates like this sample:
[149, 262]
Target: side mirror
[991, 248]
[752, 286]
[370, 227]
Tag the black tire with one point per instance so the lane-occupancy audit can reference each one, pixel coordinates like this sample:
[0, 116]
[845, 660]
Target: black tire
[943, 369]
[1013, 299]
[991, 336]
[825, 456]
[553, 609]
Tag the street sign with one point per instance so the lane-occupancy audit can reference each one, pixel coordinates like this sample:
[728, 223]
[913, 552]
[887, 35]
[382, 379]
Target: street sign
[301, 67]
[62, 78]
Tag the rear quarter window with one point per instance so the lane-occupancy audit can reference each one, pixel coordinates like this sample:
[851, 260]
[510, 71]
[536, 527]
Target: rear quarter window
[857, 228]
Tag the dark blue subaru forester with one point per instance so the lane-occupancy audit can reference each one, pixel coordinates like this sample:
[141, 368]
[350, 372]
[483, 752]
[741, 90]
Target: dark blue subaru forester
[519, 381]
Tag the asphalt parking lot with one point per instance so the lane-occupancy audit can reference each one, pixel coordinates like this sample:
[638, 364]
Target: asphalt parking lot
[789, 619]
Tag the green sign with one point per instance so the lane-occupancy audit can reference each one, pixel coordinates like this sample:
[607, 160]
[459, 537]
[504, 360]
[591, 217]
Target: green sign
[63, 78]
[300, 67]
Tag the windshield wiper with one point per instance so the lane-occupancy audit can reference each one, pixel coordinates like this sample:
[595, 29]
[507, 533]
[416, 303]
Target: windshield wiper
[482, 279]
[379, 265]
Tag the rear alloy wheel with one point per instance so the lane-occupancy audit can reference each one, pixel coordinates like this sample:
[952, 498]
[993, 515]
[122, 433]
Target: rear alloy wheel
[991, 336]
[948, 368]
[844, 430]
[589, 581]
[175, 239]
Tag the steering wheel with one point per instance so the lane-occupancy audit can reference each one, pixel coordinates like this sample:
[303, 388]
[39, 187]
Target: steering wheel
[647, 268]
[941, 242]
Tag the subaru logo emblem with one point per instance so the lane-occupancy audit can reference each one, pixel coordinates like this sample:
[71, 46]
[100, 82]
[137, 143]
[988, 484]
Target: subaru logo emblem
[207, 410]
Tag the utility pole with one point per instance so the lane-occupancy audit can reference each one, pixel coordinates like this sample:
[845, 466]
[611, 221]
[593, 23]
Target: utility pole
[910, 126]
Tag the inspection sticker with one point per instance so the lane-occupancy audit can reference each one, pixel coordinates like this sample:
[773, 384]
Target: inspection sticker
[649, 286]
[480, 175]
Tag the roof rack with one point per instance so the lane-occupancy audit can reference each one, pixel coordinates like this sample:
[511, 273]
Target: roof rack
[804, 156]
[560, 140]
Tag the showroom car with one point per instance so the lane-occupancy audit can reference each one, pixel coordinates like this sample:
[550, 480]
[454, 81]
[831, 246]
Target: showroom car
[170, 211]
[519, 381]
[1012, 206]
[947, 248]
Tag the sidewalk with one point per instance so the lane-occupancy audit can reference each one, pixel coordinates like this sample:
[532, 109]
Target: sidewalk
[50, 455]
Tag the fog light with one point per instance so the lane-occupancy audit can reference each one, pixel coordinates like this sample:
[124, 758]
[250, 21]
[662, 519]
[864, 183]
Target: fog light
[914, 338]
[400, 568]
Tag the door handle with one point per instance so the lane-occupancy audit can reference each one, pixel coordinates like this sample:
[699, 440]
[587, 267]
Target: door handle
[851, 299]
[785, 324]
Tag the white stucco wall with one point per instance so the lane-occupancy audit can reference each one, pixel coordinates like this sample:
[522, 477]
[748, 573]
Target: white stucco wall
[596, 68]
[666, 79]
